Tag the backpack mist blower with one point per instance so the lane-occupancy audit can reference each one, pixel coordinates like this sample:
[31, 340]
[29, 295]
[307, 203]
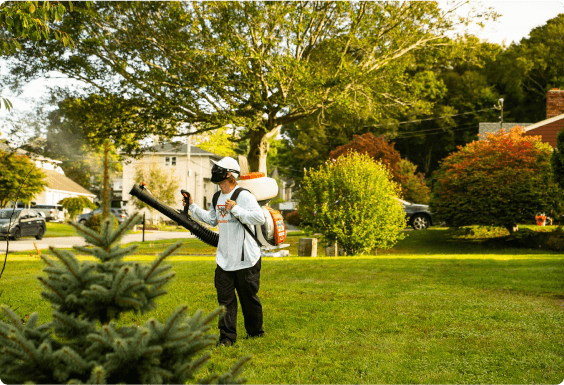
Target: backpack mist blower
[268, 236]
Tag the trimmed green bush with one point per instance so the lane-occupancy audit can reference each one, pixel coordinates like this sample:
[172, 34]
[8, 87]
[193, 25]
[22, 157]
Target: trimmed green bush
[95, 222]
[352, 200]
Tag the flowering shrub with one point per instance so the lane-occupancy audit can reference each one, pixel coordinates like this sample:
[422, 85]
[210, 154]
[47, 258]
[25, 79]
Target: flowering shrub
[352, 201]
[293, 218]
[502, 181]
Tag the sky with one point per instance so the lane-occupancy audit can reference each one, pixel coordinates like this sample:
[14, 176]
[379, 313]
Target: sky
[517, 19]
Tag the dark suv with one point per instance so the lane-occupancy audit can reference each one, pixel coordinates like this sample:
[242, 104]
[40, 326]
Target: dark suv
[418, 216]
[120, 214]
[21, 223]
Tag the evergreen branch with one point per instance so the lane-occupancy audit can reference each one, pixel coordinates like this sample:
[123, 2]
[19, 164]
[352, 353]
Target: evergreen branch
[62, 254]
[22, 345]
[130, 301]
[72, 356]
[42, 280]
[118, 282]
[85, 249]
[174, 319]
[48, 261]
[126, 225]
[83, 230]
[98, 376]
[162, 257]
[193, 366]
[208, 380]
[14, 318]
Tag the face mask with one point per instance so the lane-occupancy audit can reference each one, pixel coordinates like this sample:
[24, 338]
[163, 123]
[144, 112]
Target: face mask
[219, 174]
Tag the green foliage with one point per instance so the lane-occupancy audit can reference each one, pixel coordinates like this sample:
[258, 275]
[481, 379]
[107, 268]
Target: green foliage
[402, 170]
[19, 178]
[532, 239]
[502, 181]
[75, 206]
[83, 343]
[352, 201]
[217, 142]
[415, 189]
[28, 20]
[525, 72]
[262, 64]
[95, 222]
[162, 183]
[557, 159]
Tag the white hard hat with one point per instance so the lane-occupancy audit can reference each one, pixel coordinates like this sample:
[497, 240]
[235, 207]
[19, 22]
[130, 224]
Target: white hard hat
[230, 165]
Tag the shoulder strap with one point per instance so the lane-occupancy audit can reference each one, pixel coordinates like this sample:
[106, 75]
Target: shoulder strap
[215, 199]
[237, 192]
[246, 227]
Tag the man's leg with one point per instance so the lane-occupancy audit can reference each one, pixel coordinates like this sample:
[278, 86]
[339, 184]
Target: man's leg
[247, 285]
[225, 286]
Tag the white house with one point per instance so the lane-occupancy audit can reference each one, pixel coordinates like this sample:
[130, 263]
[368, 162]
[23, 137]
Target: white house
[192, 169]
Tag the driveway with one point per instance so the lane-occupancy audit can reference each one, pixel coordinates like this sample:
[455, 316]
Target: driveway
[62, 242]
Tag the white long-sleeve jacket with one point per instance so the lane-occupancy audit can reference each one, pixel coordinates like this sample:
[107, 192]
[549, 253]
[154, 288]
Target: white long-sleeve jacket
[236, 249]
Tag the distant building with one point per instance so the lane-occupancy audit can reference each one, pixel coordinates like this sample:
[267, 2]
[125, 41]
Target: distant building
[58, 185]
[194, 175]
[547, 129]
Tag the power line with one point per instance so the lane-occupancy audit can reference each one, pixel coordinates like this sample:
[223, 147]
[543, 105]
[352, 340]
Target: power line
[427, 119]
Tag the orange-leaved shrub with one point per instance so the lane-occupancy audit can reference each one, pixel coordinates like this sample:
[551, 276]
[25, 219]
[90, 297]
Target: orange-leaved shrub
[403, 172]
[503, 180]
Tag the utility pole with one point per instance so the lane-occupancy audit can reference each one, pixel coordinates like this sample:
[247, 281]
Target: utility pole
[499, 107]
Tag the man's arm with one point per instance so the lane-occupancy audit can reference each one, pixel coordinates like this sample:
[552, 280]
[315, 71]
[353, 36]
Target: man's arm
[200, 214]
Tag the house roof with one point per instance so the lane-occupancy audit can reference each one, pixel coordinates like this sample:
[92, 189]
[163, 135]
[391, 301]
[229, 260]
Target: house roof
[57, 181]
[544, 122]
[493, 128]
[180, 148]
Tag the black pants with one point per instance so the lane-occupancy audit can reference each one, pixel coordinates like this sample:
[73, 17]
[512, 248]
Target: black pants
[246, 282]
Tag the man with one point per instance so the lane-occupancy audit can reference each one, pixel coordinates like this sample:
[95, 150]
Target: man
[238, 255]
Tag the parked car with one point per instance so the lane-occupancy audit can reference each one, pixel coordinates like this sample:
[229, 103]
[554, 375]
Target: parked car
[418, 216]
[120, 214]
[24, 223]
[53, 213]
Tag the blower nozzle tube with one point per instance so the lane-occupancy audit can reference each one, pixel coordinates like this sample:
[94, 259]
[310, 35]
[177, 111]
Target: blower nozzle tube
[205, 235]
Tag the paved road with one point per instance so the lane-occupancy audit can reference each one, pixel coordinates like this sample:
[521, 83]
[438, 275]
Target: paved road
[27, 243]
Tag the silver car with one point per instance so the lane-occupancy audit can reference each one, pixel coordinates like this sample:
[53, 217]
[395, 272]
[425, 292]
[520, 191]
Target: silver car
[120, 215]
[53, 213]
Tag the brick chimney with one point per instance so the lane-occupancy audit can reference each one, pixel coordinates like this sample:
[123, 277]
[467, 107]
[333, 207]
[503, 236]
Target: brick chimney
[554, 103]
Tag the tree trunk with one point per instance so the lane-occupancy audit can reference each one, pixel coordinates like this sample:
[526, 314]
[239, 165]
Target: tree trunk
[512, 228]
[258, 149]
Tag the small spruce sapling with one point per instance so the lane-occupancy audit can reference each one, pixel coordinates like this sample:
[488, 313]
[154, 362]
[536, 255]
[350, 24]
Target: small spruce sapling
[83, 343]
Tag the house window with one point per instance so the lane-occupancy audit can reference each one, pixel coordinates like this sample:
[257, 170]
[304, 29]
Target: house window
[167, 161]
[173, 161]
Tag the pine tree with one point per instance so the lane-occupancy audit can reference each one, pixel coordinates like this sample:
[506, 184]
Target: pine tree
[83, 343]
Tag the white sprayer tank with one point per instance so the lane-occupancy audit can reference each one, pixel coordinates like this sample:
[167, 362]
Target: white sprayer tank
[262, 187]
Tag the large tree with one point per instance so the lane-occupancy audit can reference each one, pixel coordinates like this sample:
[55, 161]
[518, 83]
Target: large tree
[20, 179]
[454, 94]
[28, 21]
[527, 70]
[252, 65]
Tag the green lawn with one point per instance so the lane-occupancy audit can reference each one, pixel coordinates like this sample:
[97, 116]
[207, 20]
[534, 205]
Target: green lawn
[434, 309]
[59, 230]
